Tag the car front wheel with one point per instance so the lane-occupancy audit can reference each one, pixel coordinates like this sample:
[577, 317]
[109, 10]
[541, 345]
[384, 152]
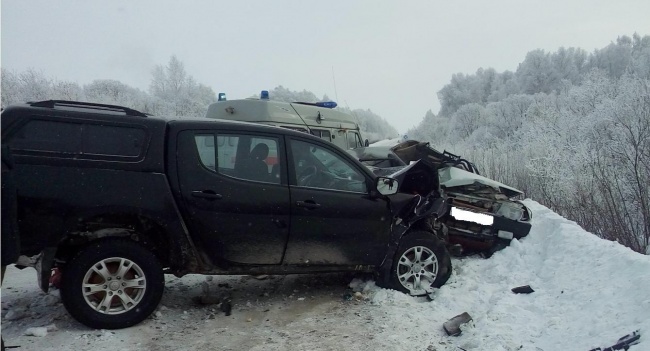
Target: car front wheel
[422, 263]
[112, 284]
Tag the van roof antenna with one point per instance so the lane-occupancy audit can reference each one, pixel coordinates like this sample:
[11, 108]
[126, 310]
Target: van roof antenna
[336, 95]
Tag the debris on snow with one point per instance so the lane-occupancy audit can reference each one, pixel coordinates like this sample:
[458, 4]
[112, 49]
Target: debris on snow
[452, 326]
[40, 331]
[206, 300]
[51, 299]
[623, 343]
[526, 289]
[16, 313]
[36, 331]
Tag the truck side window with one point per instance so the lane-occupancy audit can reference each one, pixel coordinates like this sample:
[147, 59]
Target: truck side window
[112, 140]
[205, 146]
[318, 167]
[81, 139]
[241, 156]
[49, 136]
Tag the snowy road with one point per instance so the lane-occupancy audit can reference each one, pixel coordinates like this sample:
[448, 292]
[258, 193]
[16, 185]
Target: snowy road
[588, 293]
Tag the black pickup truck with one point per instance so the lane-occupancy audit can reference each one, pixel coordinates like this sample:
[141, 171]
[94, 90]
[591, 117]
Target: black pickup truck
[115, 199]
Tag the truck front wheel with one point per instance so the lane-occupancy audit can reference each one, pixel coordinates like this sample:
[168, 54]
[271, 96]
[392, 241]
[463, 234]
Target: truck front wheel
[111, 284]
[421, 264]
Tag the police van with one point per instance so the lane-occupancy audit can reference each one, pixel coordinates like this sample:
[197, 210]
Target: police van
[319, 118]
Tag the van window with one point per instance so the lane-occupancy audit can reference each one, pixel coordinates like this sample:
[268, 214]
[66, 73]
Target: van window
[322, 133]
[354, 140]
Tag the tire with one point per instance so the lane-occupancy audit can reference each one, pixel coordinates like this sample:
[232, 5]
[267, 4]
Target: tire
[421, 264]
[111, 284]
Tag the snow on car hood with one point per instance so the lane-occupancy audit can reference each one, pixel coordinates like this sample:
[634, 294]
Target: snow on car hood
[452, 177]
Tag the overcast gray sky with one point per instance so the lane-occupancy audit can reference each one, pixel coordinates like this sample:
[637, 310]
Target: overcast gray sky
[391, 57]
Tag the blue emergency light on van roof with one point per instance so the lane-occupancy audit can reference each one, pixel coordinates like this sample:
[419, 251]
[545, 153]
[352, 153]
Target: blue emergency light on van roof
[264, 95]
[222, 97]
[326, 104]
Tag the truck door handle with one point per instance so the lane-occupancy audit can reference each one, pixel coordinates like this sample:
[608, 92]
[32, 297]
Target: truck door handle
[206, 194]
[308, 204]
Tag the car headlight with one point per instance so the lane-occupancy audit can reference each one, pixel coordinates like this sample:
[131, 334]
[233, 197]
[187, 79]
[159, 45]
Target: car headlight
[511, 210]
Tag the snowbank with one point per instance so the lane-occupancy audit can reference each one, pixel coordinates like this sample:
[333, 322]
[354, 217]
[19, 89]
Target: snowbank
[588, 293]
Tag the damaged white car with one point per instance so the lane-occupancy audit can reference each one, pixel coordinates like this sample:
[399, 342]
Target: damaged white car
[484, 215]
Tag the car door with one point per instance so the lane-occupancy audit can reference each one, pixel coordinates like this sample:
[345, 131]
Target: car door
[334, 219]
[238, 212]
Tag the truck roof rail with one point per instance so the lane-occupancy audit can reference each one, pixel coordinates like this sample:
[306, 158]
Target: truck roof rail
[53, 103]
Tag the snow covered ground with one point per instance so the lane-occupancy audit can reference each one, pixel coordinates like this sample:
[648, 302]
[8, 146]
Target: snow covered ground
[588, 293]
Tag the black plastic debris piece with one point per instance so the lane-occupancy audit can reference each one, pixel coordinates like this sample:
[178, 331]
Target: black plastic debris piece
[623, 343]
[223, 300]
[206, 300]
[526, 289]
[226, 306]
[452, 326]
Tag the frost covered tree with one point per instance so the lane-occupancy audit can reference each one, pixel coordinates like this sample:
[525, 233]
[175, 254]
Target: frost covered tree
[281, 93]
[534, 74]
[30, 85]
[620, 164]
[570, 129]
[177, 93]
[467, 119]
[373, 127]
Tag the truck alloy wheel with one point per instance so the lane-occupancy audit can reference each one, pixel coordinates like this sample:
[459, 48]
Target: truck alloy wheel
[417, 268]
[421, 264]
[111, 284]
[114, 285]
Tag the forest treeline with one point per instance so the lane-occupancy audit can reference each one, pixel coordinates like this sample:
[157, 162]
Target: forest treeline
[570, 128]
[172, 92]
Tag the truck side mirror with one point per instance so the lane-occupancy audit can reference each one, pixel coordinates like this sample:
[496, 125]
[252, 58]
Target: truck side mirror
[387, 186]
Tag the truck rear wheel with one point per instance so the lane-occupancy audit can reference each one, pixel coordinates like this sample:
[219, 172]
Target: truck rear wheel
[421, 264]
[111, 284]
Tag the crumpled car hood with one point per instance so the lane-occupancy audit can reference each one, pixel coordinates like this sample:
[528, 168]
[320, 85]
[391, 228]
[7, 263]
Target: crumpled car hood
[454, 178]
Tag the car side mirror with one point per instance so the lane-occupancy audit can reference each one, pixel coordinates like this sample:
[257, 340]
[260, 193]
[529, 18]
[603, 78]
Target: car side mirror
[387, 186]
[366, 143]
